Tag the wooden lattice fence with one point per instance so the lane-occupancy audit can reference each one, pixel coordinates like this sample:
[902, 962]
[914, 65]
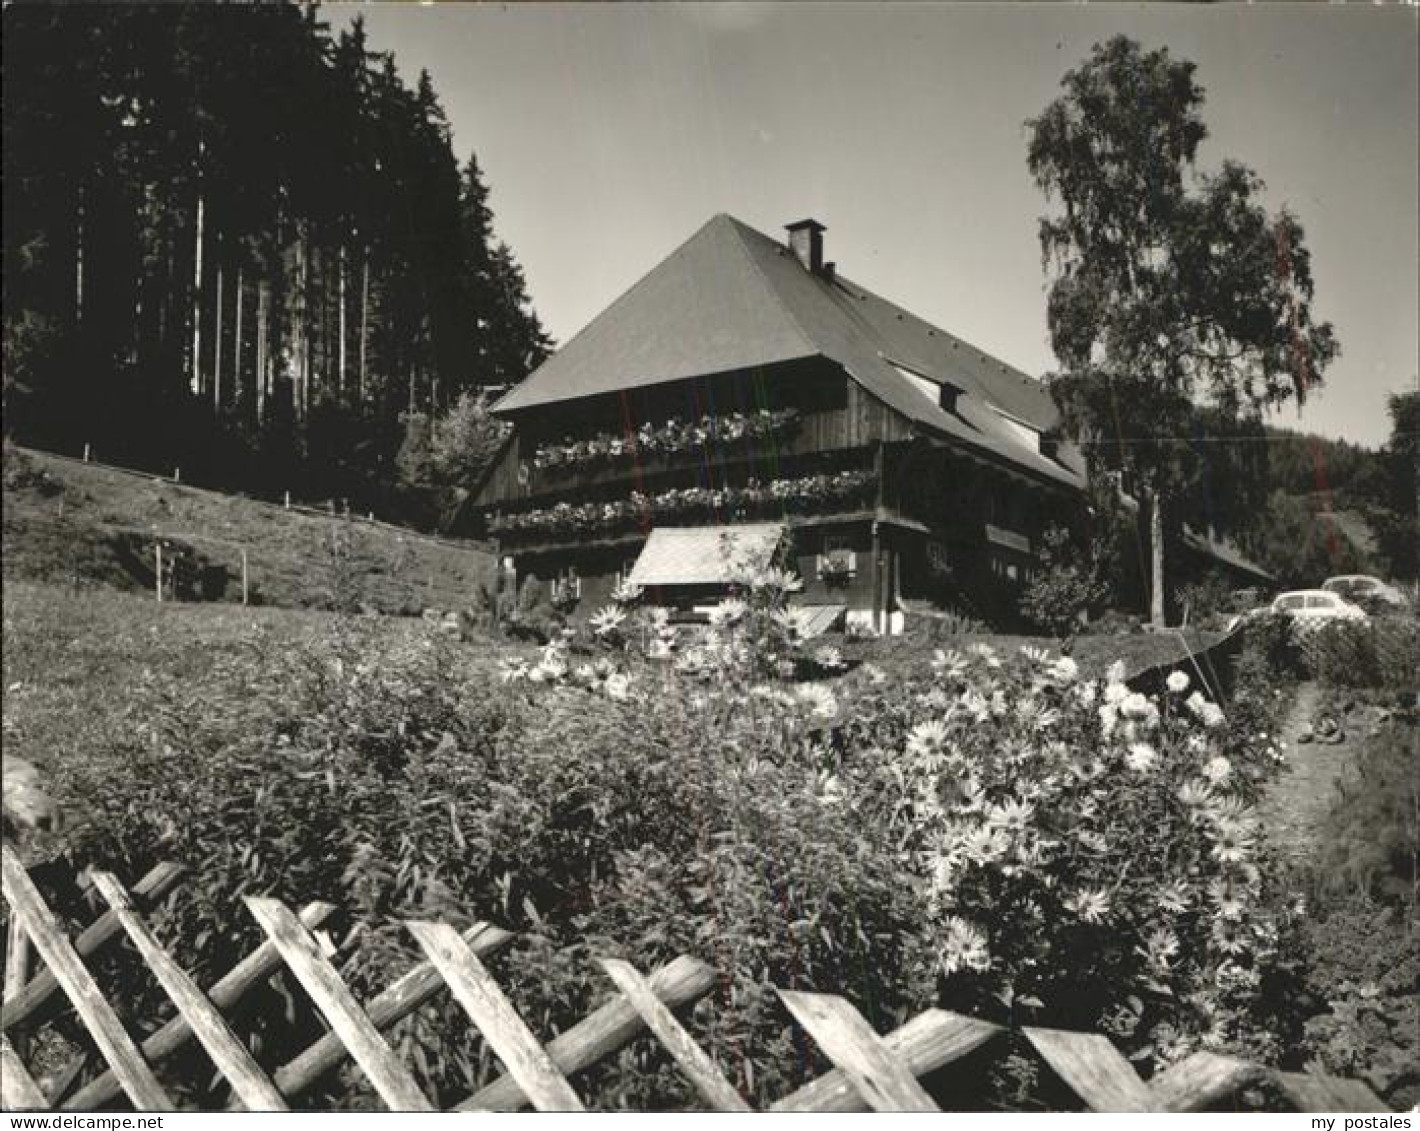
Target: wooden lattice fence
[871, 1071]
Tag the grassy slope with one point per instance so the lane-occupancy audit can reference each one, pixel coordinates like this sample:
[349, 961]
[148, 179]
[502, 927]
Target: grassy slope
[71, 656]
[67, 521]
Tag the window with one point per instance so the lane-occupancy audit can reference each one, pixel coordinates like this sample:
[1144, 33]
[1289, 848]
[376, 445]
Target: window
[1023, 431]
[1008, 569]
[838, 560]
[1292, 601]
[943, 394]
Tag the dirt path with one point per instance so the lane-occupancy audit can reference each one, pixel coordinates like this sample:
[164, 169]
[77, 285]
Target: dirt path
[1298, 801]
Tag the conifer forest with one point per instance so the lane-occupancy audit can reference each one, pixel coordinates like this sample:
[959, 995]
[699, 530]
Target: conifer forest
[239, 242]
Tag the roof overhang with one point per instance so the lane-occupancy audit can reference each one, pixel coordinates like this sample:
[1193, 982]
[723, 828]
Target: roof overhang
[705, 555]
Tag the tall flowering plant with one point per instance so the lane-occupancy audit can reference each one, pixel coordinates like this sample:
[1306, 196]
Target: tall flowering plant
[1087, 854]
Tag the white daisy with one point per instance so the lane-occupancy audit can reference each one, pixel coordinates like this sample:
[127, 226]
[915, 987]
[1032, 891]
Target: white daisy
[964, 946]
[1091, 904]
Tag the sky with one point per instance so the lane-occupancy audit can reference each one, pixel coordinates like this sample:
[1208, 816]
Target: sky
[609, 133]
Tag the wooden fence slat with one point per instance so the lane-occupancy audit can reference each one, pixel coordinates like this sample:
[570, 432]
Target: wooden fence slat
[256, 968]
[231, 1058]
[603, 1031]
[392, 1005]
[852, 1044]
[1315, 1091]
[94, 1010]
[18, 956]
[302, 954]
[22, 1006]
[1200, 1080]
[1094, 1068]
[503, 1030]
[703, 1072]
[925, 1043]
[18, 1090]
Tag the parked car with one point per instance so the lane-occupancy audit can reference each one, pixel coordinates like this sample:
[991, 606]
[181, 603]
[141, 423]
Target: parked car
[1362, 589]
[1309, 607]
[1317, 605]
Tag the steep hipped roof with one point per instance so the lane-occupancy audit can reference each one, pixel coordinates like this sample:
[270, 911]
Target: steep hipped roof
[731, 298]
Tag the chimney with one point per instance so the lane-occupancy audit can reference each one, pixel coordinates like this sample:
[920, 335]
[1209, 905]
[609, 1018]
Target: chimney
[806, 242]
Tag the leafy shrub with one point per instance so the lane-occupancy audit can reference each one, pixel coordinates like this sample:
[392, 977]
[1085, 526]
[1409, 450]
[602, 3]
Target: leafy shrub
[532, 616]
[465, 441]
[948, 623]
[1205, 600]
[1383, 652]
[1270, 645]
[1364, 963]
[1371, 840]
[1067, 585]
[1116, 623]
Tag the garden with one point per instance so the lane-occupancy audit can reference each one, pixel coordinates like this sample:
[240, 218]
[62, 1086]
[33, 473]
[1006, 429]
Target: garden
[994, 830]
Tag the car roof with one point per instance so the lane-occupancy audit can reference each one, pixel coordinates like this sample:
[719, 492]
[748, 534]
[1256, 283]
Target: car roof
[1351, 577]
[1306, 593]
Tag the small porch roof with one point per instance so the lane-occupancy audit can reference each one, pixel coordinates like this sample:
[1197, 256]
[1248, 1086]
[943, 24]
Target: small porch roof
[705, 555]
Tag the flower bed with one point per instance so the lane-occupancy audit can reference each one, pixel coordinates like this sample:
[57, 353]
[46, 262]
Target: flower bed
[722, 504]
[673, 436]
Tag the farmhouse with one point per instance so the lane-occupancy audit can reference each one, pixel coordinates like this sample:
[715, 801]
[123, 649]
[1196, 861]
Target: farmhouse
[746, 403]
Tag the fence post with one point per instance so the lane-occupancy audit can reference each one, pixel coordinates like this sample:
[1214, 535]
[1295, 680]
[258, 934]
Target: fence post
[244, 576]
[158, 576]
[177, 475]
[288, 500]
[86, 453]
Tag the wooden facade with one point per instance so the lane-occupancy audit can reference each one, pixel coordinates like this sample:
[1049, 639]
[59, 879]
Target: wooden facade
[936, 527]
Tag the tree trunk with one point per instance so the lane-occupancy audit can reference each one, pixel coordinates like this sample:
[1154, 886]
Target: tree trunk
[263, 301]
[298, 368]
[1158, 593]
[217, 342]
[340, 328]
[196, 372]
[364, 318]
[237, 346]
[79, 261]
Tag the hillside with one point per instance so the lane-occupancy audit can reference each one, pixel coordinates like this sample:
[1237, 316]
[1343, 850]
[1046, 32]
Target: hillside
[77, 523]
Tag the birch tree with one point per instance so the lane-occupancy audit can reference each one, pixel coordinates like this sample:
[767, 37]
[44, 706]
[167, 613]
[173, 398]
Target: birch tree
[1171, 288]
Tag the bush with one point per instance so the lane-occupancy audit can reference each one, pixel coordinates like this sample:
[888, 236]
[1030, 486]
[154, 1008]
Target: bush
[1067, 585]
[1361, 948]
[1270, 645]
[1370, 842]
[1205, 601]
[1364, 963]
[1381, 653]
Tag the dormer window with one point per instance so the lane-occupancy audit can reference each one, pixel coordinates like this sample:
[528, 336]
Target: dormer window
[943, 394]
[1022, 431]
